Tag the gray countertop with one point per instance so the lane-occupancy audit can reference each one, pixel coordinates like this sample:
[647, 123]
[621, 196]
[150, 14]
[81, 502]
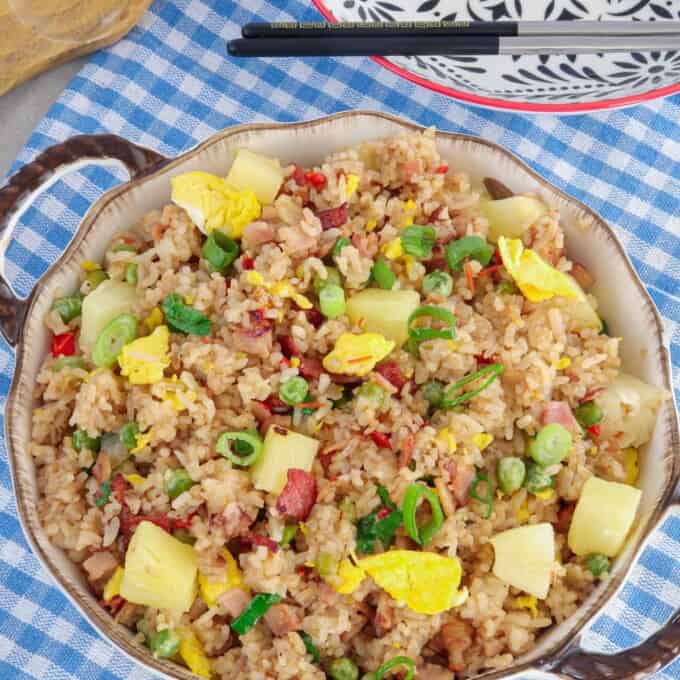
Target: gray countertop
[22, 108]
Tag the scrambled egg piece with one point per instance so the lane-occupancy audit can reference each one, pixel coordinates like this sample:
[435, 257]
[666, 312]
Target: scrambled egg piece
[631, 466]
[143, 361]
[481, 440]
[347, 579]
[523, 513]
[173, 396]
[371, 225]
[448, 439]
[154, 320]
[536, 279]
[408, 575]
[134, 479]
[393, 250]
[563, 363]
[282, 289]
[357, 354]
[408, 213]
[213, 204]
[90, 266]
[191, 651]
[527, 602]
[351, 184]
[142, 440]
[112, 587]
[545, 495]
[232, 578]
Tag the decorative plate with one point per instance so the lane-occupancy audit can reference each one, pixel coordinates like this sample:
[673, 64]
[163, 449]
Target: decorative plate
[555, 83]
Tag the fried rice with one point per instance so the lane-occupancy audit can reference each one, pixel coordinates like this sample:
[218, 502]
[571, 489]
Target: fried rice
[95, 492]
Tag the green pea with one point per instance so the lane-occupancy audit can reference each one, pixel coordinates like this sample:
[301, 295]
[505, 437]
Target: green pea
[177, 482]
[164, 644]
[537, 479]
[81, 440]
[588, 413]
[68, 307]
[372, 393]
[597, 564]
[95, 277]
[333, 278]
[131, 273]
[128, 435]
[433, 392]
[551, 445]
[438, 282]
[116, 334]
[510, 473]
[343, 669]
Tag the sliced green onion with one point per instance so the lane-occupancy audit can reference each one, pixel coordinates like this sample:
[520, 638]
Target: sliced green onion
[164, 644]
[448, 401]
[597, 564]
[418, 241]
[310, 647]
[68, 307]
[433, 392]
[487, 498]
[245, 450]
[288, 534]
[95, 277]
[393, 663]
[177, 482]
[183, 318]
[332, 301]
[131, 273]
[219, 251]
[604, 328]
[128, 435]
[257, 608]
[382, 274]
[510, 473]
[294, 390]
[339, 245]
[440, 314]
[116, 334]
[472, 247]
[81, 440]
[71, 362]
[333, 277]
[421, 535]
[104, 494]
[438, 283]
[588, 413]
[551, 445]
[537, 479]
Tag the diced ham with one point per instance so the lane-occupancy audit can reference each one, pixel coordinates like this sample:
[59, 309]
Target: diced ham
[283, 619]
[101, 470]
[564, 515]
[258, 341]
[456, 638]
[129, 522]
[392, 373]
[100, 565]
[298, 496]
[406, 453]
[583, 277]
[333, 218]
[234, 601]
[559, 412]
[310, 368]
[298, 243]
[314, 316]
[258, 232]
[288, 347]
[119, 485]
[461, 476]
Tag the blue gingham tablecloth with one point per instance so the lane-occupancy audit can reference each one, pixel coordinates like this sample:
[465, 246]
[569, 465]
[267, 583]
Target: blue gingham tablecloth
[169, 85]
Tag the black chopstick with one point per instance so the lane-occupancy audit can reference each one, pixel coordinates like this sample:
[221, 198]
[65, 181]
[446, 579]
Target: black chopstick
[393, 45]
[296, 29]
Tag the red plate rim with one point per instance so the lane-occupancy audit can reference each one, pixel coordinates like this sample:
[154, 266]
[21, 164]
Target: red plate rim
[510, 105]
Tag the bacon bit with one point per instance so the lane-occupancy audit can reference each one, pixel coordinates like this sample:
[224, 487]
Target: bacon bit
[482, 360]
[316, 179]
[186, 523]
[288, 347]
[341, 379]
[406, 455]
[564, 515]
[392, 373]
[583, 277]
[492, 269]
[442, 169]
[298, 496]
[594, 430]
[157, 231]
[129, 522]
[383, 512]
[276, 406]
[119, 485]
[497, 259]
[460, 479]
[469, 276]
[299, 175]
[114, 605]
[434, 215]
[314, 316]
[247, 263]
[559, 412]
[335, 217]
[63, 344]
[310, 368]
[381, 439]
[259, 539]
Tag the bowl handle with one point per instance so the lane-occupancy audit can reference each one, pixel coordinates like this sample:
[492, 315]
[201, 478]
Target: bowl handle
[37, 176]
[649, 656]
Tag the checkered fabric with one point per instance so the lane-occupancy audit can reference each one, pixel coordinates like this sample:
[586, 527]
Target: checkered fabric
[169, 85]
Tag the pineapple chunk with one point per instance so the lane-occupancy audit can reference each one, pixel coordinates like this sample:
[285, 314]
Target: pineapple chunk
[256, 172]
[160, 571]
[511, 217]
[384, 311]
[107, 301]
[603, 517]
[629, 406]
[525, 557]
[283, 449]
